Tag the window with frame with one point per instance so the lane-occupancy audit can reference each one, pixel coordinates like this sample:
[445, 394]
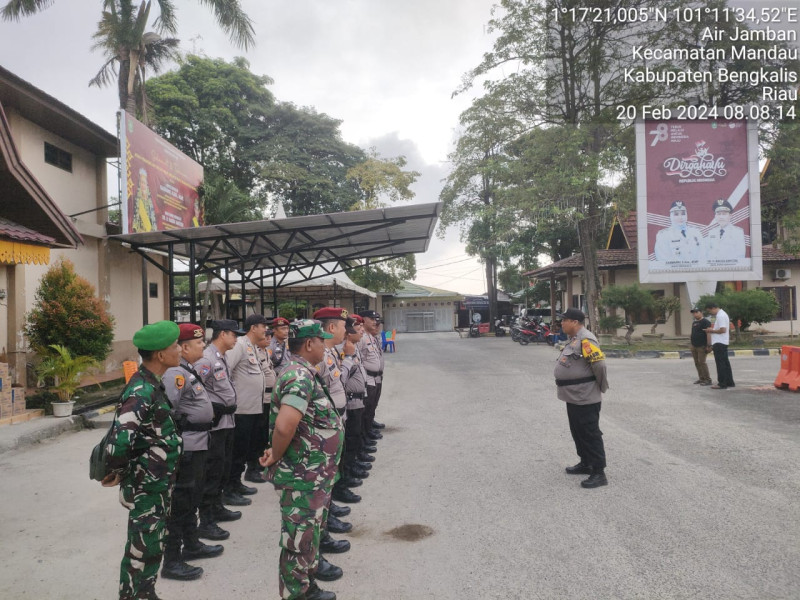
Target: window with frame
[786, 295]
[53, 155]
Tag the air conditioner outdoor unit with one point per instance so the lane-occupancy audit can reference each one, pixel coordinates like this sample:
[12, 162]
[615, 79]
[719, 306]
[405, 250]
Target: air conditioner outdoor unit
[783, 273]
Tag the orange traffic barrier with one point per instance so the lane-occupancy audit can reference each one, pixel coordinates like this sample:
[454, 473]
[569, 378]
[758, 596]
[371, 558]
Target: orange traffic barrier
[129, 367]
[789, 374]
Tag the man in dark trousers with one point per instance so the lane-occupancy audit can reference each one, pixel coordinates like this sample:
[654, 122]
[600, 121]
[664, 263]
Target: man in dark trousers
[701, 346]
[581, 379]
[193, 413]
[213, 372]
[720, 338]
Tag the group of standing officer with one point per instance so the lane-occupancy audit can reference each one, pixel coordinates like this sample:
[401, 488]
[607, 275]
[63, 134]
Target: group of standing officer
[321, 444]
[195, 419]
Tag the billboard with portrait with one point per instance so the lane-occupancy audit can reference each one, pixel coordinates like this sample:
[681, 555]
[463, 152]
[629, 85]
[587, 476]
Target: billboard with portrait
[159, 182]
[698, 202]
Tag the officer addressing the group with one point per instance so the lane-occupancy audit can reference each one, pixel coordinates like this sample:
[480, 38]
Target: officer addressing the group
[581, 381]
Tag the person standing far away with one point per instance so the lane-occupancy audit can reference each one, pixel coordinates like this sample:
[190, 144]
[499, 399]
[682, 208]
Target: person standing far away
[193, 414]
[213, 372]
[581, 381]
[720, 338]
[143, 454]
[306, 438]
[701, 346]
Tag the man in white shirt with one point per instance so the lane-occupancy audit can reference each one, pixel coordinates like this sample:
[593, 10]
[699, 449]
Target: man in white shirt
[720, 338]
[726, 241]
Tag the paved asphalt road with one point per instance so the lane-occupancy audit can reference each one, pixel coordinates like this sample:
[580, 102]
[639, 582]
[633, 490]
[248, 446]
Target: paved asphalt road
[702, 501]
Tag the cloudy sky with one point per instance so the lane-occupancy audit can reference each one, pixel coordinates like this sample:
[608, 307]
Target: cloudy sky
[387, 69]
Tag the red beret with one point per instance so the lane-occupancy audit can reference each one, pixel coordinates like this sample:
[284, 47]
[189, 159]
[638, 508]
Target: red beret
[190, 331]
[331, 312]
[357, 319]
[278, 321]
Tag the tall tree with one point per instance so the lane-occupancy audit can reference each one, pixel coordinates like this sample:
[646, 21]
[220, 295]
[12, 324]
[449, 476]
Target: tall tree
[129, 49]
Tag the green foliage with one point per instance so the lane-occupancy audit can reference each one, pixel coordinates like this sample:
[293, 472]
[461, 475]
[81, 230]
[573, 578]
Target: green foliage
[746, 307]
[630, 298]
[64, 371]
[387, 276]
[292, 310]
[67, 312]
[665, 306]
[610, 323]
[780, 192]
[379, 179]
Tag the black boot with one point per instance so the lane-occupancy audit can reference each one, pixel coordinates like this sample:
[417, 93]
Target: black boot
[208, 528]
[596, 479]
[369, 447]
[222, 514]
[362, 465]
[327, 572]
[175, 568]
[232, 498]
[242, 489]
[339, 511]
[338, 526]
[193, 548]
[331, 546]
[255, 473]
[342, 494]
[315, 593]
[377, 425]
[357, 472]
[579, 469]
[349, 481]
[364, 457]
[374, 435]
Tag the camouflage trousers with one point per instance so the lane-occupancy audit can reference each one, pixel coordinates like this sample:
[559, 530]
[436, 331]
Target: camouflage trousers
[303, 515]
[145, 545]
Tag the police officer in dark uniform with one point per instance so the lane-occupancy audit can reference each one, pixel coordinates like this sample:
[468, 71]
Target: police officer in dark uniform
[193, 414]
[581, 379]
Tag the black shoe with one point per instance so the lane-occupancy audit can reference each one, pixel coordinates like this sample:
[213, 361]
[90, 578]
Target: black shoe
[579, 469]
[342, 494]
[362, 465]
[242, 489]
[201, 550]
[358, 472]
[371, 448]
[212, 531]
[222, 514]
[339, 511]
[596, 479]
[315, 593]
[374, 435]
[177, 569]
[327, 572]
[233, 499]
[377, 425]
[338, 526]
[331, 546]
[254, 476]
[364, 457]
[350, 482]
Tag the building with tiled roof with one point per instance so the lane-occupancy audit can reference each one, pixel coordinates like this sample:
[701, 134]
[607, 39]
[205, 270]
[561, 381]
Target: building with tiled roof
[417, 308]
[617, 264]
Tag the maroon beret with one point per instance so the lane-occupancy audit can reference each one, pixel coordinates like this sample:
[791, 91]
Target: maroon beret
[331, 312]
[190, 331]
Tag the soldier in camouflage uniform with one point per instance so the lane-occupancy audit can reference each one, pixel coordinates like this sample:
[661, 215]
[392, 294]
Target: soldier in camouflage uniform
[581, 379]
[306, 437]
[143, 455]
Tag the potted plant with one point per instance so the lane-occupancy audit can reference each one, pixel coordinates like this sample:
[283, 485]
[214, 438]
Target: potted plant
[608, 325]
[65, 372]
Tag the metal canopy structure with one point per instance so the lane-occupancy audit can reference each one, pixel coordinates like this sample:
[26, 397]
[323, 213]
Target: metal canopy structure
[264, 253]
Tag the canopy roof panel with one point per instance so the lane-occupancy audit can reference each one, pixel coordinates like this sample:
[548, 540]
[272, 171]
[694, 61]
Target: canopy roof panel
[283, 245]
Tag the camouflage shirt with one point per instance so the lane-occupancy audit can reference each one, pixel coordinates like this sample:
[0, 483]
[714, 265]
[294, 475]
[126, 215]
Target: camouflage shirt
[145, 446]
[310, 460]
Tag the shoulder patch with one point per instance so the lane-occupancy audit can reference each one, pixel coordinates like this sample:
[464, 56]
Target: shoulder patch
[205, 370]
[591, 352]
[179, 381]
[329, 361]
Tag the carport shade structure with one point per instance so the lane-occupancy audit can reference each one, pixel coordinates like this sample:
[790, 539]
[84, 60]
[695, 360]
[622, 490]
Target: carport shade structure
[265, 252]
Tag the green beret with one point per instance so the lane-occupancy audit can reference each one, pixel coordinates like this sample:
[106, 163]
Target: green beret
[309, 328]
[156, 336]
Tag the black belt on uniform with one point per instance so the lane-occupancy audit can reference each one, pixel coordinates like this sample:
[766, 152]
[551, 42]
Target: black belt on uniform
[352, 396]
[563, 382]
[267, 390]
[374, 373]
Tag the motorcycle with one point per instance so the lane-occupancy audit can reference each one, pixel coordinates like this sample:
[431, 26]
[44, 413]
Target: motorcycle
[499, 328]
[535, 332]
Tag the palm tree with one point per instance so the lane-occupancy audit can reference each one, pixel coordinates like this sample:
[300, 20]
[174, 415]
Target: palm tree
[121, 35]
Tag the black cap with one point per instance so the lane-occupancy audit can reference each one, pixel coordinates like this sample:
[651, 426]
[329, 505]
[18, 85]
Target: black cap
[574, 314]
[694, 310]
[255, 319]
[227, 325]
[722, 204]
[370, 314]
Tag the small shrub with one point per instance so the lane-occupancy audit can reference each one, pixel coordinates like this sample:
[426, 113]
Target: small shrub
[68, 313]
